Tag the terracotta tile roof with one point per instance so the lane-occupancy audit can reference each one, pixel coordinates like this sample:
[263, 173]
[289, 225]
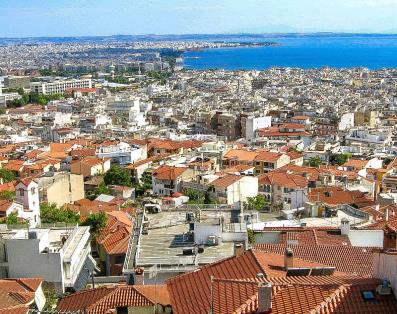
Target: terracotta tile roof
[190, 292]
[156, 294]
[106, 299]
[300, 294]
[86, 207]
[10, 186]
[225, 181]
[238, 168]
[334, 196]
[20, 309]
[34, 154]
[168, 172]
[4, 205]
[82, 152]
[115, 236]
[146, 161]
[310, 235]
[310, 173]
[60, 147]
[356, 164]
[283, 179]
[345, 258]
[92, 161]
[14, 165]
[265, 156]
[241, 155]
[15, 294]
[300, 118]
[294, 155]
[276, 132]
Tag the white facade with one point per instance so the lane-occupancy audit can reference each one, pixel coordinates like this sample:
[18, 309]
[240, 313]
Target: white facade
[59, 256]
[252, 124]
[122, 153]
[123, 105]
[346, 121]
[58, 87]
[28, 196]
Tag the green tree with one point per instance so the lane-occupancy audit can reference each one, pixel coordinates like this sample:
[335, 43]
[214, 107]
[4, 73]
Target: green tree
[7, 195]
[51, 213]
[208, 199]
[256, 203]
[7, 175]
[314, 162]
[101, 189]
[251, 236]
[97, 222]
[117, 176]
[12, 219]
[146, 181]
[340, 159]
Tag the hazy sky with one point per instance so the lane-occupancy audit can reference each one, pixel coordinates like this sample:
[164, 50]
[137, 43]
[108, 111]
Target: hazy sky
[21, 18]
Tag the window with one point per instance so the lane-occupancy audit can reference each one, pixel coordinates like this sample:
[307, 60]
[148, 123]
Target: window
[21, 192]
[33, 190]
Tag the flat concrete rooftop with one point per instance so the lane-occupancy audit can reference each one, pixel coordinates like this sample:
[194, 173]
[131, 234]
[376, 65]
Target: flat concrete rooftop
[167, 237]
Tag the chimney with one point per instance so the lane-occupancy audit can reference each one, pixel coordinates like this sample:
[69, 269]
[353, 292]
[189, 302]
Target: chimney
[264, 297]
[238, 249]
[345, 226]
[139, 276]
[387, 214]
[288, 258]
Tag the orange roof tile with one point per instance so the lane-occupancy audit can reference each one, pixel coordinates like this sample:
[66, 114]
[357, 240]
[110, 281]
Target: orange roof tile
[168, 172]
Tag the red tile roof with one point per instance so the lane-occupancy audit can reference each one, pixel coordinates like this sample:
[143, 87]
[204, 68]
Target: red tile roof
[105, 299]
[190, 292]
[225, 181]
[347, 259]
[115, 236]
[168, 172]
[334, 196]
[283, 179]
[15, 294]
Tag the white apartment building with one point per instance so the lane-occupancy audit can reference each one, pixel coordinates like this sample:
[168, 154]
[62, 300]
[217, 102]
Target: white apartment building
[59, 87]
[123, 105]
[59, 256]
[122, 153]
[252, 124]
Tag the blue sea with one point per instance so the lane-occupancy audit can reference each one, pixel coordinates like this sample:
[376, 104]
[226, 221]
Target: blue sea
[303, 51]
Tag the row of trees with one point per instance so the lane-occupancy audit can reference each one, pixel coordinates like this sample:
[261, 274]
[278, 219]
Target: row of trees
[199, 197]
[51, 213]
[33, 98]
[335, 159]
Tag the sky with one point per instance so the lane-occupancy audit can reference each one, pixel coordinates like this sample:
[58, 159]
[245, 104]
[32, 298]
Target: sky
[33, 18]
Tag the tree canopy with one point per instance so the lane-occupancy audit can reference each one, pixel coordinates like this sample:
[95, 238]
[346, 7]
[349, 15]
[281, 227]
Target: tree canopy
[340, 159]
[51, 213]
[256, 203]
[117, 176]
[314, 162]
[7, 175]
[96, 221]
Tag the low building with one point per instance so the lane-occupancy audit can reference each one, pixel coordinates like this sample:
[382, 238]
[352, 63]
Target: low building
[122, 153]
[60, 188]
[234, 189]
[167, 180]
[58, 87]
[90, 166]
[59, 256]
[112, 242]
